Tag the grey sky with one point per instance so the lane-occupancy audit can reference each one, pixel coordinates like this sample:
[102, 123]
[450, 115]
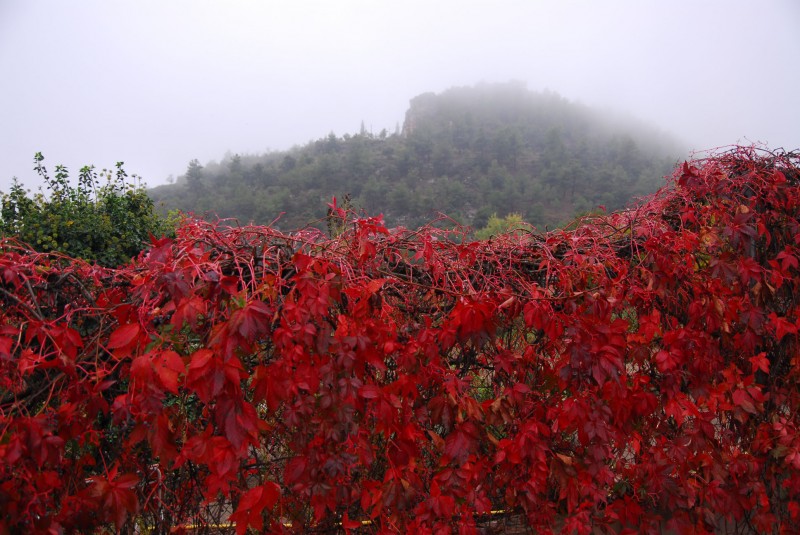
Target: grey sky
[156, 83]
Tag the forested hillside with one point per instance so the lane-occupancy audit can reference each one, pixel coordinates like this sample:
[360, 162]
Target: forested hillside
[467, 152]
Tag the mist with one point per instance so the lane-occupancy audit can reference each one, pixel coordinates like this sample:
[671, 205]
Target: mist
[156, 84]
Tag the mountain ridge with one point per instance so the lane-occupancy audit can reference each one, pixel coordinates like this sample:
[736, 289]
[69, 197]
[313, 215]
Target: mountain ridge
[468, 152]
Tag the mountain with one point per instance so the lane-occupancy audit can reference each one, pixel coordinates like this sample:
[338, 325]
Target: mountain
[467, 152]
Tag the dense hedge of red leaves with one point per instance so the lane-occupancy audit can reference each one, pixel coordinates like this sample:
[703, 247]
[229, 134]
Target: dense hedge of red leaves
[637, 373]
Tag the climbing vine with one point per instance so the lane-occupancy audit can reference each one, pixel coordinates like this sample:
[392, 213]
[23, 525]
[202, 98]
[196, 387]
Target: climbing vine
[638, 373]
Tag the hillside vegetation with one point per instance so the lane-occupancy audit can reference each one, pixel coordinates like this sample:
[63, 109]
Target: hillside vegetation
[468, 153]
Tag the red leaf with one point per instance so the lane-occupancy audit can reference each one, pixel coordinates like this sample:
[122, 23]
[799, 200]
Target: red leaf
[161, 438]
[188, 311]
[667, 360]
[347, 523]
[239, 420]
[374, 285]
[295, 470]
[252, 504]
[742, 399]
[168, 366]
[760, 362]
[124, 335]
[5, 348]
[200, 359]
[197, 448]
[782, 326]
[442, 505]
[253, 320]
[369, 391]
[116, 494]
[206, 375]
[788, 260]
[794, 511]
[461, 441]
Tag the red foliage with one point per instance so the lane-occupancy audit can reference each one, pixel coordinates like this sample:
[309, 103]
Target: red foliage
[639, 372]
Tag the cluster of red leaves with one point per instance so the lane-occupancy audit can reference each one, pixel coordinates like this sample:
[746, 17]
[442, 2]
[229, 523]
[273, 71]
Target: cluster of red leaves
[638, 373]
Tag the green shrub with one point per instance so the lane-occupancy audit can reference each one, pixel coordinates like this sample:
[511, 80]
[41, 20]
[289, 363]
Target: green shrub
[106, 218]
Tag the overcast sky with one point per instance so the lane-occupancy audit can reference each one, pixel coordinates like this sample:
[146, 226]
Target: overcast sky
[156, 83]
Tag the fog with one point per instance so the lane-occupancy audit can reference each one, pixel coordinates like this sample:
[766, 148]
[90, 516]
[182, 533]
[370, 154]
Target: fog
[157, 83]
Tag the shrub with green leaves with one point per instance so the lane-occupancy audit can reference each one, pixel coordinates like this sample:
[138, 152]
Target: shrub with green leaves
[496, 226]
[106, 218]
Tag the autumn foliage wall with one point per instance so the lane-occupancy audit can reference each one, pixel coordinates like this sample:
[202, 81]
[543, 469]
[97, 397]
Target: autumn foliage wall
[638, 373]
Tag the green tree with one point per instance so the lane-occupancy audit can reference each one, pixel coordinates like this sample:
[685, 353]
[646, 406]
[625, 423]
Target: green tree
[507, 147]
[194, 173]
[512, 223]
[105, 218]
